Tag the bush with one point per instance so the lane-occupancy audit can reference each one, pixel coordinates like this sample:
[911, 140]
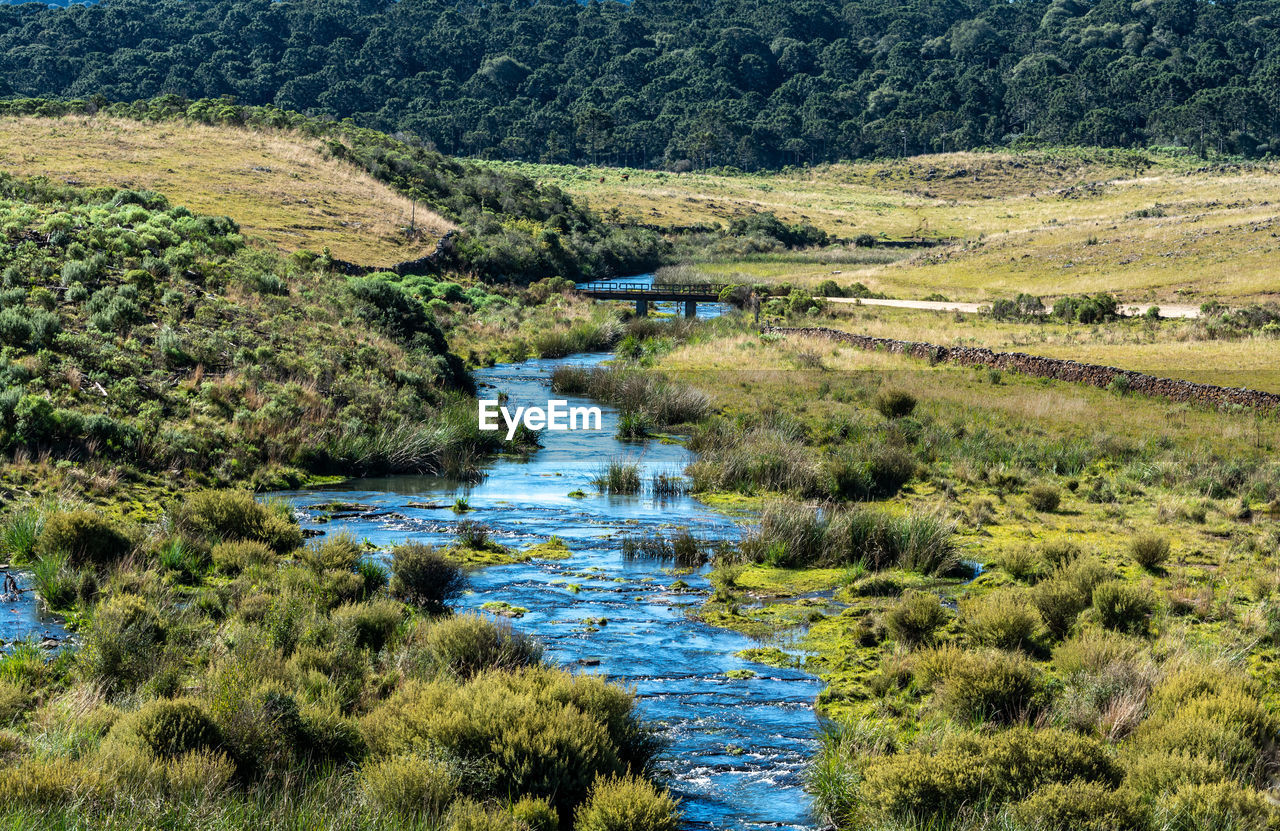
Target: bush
[370, 625]
[235, 556]
[1152, 774]
[41, 784]
[627, 804]
[878, 474]
[221, 515]
[969, 769]
[1044, 498]
[86, 538]
[1123, 606]
[408, 786]
[895, 403]
[1078, 806]
[1003, 619]
[466, 645]
[424, 577]
[123, 644]
[1059, 553]
[981, 684]
[1211, 807]
[1059, 603]
[169, 728]
[1149, 551]
[914, 618]
[1021, 563]
[538, 731]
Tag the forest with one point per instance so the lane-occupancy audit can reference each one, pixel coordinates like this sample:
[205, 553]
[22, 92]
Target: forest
[752, 85]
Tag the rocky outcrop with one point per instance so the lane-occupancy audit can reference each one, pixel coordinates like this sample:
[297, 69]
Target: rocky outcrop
[1093, 374]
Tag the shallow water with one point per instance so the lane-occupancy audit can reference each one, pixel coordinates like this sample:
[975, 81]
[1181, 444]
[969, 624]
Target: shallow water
[25, 618]
[737, 748]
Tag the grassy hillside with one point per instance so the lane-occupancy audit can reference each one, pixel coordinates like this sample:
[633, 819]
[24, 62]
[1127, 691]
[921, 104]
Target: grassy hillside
[277, 184]
[1169, 229]
[151, 346]
[511, 229]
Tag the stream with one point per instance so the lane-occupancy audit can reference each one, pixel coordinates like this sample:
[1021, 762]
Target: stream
[737, 749]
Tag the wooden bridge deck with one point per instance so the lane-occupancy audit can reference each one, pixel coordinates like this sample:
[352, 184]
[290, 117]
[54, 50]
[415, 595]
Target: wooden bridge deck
[697, 292]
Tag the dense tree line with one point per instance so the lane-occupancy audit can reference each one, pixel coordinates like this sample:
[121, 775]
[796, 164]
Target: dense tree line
[720, 82]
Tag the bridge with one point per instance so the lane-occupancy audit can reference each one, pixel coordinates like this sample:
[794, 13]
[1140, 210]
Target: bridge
[643, 294]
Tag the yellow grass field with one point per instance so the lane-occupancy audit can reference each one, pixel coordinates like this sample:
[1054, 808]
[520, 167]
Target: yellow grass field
[275, 184]
[1043, 223]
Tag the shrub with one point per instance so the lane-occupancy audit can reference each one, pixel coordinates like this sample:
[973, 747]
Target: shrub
[1044, 498]
[221, 515]
[1151, 774]
[44, 783]
[1220, 805]
[914, 618]
[233, 557]
[627, 804]
[1085, 573]
[339, 552]
[425, 577]
[1021, 563]
[1123, 606]
[1003, 619]
[539, 732]
[1078, 806]
[969, 769]
[895, 403]
[535, 814]
[1059, 553]
[123, 643]
[85, 537]
[370, 625]
[1059, 603]
[466, 645]
[981, 684]
[169, 728]
[878, 474]
[409, 786]
[1149, 551]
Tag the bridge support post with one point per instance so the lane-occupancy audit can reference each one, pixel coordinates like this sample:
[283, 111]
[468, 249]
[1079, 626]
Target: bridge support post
[642, 308]
[691, 308]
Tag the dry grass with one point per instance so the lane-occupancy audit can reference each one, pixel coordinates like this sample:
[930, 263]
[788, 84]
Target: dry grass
[277, 185]
[1168, 348]
[951, 392]
[1028, 222]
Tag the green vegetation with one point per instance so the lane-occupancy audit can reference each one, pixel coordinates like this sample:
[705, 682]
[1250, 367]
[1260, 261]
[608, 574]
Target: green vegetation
[154, 343]
[693, 87]
[274, 684]
[1054, 619]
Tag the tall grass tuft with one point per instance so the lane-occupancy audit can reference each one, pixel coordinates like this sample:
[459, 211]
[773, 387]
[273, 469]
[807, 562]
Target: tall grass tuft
[633, 391]
[619, 477]
[19, 533]
[682, 548]
[54, 580]
[794, 535]
[667, 485]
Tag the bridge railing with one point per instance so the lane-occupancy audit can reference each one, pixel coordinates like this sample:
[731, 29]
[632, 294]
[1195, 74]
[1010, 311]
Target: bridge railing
[645, 288]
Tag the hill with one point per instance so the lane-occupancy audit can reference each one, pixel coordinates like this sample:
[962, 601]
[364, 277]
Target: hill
[147, 348]
[1150, 227]
[278, 185]
[669, 83]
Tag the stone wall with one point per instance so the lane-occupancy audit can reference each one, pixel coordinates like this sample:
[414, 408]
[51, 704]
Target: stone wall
[1055, 368]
